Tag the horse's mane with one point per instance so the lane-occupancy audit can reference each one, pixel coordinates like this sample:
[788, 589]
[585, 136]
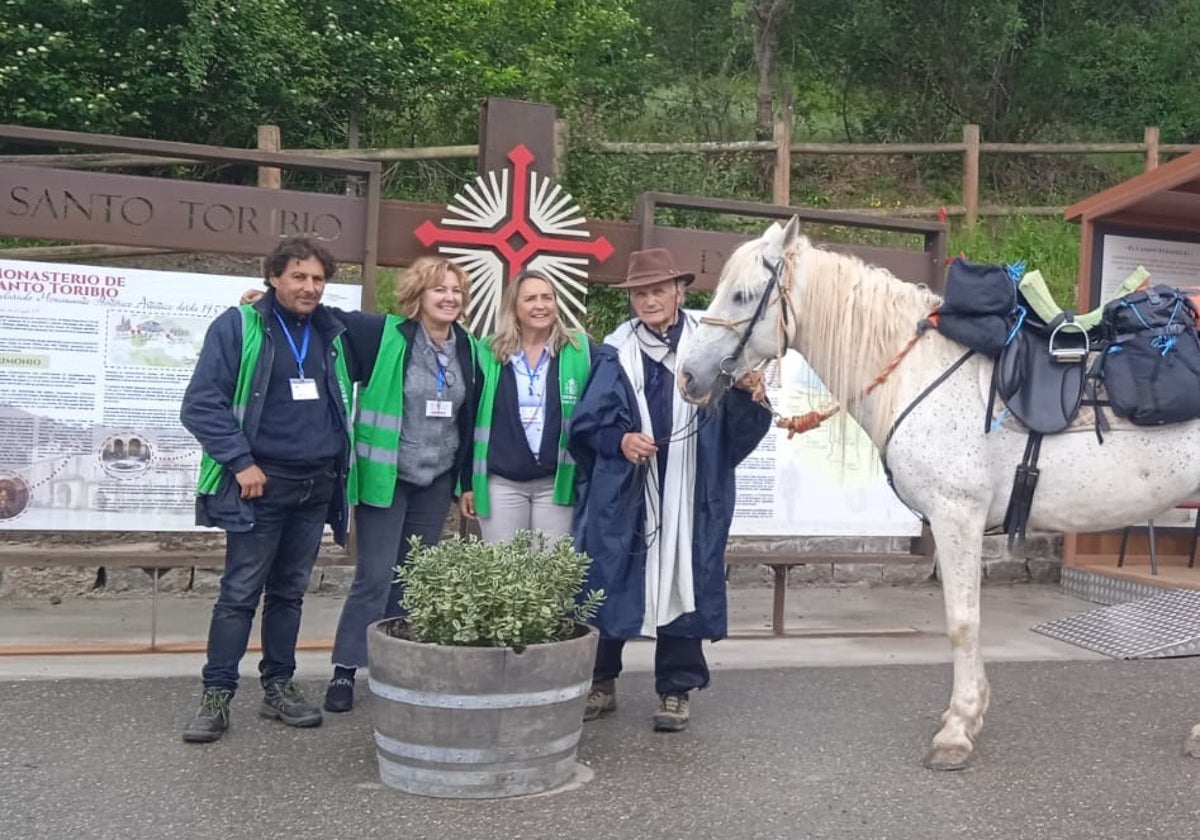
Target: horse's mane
[855, 318]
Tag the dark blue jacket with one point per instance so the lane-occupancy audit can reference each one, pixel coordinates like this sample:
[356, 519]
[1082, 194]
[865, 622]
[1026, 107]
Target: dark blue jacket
[207, 412]
[609, 517]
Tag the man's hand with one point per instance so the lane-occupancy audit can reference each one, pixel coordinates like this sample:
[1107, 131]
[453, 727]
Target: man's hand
[755, 383]
[637, 448]
[251, 296]
[466, 504]
[252, 480]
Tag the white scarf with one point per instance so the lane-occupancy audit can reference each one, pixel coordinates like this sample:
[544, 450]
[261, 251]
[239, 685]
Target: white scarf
[669, 588]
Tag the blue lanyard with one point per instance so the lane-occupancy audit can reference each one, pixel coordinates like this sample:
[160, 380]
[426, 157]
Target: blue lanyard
[441, 373]
[532, 372]
[303, 351]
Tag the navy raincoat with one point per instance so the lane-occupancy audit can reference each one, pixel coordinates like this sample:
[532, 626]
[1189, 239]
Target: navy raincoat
[610, 514]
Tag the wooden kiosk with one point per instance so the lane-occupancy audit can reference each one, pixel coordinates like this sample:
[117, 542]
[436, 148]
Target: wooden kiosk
[1151, 220]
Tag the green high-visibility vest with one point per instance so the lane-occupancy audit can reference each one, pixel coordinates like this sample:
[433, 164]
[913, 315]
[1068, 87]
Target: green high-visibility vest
[252, 340]
[380, 414]
[574, 363]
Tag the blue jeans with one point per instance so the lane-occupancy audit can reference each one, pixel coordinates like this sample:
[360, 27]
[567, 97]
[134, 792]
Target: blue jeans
[383, 535]
[679, 664]
[277, 555]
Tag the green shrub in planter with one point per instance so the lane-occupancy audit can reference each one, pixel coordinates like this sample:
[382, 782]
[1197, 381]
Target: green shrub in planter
[517, 592]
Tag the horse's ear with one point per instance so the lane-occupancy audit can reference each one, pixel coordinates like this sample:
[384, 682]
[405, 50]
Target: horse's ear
[791, 232]
[772, 238]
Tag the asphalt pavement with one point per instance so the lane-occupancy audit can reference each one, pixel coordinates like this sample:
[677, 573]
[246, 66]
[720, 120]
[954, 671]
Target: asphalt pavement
[819, 735]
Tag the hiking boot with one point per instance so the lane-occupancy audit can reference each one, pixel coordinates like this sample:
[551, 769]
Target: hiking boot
[672, 714]
[601, 700]
[339, 694]
[282, 700]
[211, 719]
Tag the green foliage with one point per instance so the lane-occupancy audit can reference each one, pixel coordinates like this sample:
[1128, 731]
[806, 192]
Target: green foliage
[514, 593]
[404, 71]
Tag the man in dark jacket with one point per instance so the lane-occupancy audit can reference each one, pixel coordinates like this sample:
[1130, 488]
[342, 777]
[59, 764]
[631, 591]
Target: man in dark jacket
[269, 402]
[657, 493]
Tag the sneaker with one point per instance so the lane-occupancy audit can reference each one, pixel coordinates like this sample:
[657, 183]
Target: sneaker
[601, 700]
[211, 719]
[282, 700]
[339, 694]
[672, 714]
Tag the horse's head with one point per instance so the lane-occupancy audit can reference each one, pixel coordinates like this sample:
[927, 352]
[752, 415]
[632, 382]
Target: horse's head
[748, 321]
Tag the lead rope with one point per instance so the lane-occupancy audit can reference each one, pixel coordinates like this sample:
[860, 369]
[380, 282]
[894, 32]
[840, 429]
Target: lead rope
[808, 421]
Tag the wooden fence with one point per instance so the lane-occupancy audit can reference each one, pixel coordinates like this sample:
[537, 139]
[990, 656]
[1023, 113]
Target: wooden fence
[781, 147]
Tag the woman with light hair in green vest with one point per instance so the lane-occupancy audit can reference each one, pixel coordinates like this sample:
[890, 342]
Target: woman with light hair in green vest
[412, 440]
[534, 369]
[418, 377]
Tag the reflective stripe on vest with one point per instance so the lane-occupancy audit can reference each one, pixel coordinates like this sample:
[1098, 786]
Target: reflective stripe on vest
[252, 341]
[574, 364]
[380, 416]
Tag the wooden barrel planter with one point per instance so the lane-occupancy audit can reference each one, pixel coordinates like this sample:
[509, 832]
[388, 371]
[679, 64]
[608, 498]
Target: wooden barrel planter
[477, 722]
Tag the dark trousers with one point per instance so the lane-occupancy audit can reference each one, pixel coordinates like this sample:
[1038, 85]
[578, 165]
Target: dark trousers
[275, 556]
[383, 535]
[679, 664]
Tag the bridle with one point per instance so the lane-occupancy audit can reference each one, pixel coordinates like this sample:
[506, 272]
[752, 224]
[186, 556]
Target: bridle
[779, 281]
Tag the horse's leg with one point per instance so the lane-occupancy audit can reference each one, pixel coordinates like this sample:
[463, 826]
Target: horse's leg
[1192, 745]
[959, 546]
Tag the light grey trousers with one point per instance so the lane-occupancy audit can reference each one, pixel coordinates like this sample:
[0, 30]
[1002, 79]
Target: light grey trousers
[523, 505]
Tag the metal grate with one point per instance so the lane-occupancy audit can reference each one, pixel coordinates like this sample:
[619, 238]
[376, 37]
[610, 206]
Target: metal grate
[1160, 626]
[1102, 588]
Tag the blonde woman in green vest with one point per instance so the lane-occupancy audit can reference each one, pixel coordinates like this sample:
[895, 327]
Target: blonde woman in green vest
[534, 369]
[414, 423]
[412, 439]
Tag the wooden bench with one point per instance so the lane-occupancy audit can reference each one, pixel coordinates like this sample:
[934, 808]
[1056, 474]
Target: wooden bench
[142, 555]
[136, 556]
[780, 564]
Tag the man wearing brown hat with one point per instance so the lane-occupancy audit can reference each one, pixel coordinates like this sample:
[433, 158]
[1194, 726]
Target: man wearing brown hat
[657, 493]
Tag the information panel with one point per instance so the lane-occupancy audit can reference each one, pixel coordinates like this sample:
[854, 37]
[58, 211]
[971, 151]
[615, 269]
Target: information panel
[1172, 262]
[825, 482]
[94, 361]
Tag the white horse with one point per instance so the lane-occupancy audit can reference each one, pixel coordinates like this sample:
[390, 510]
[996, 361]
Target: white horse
[852, 321]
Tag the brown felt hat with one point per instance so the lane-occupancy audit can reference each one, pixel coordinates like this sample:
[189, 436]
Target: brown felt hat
[654, 265]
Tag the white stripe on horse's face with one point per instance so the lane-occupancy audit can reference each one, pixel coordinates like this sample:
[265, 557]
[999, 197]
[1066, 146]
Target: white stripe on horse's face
[712, 358]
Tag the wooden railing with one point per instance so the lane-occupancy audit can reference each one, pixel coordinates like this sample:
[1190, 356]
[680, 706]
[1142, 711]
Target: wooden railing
[783, 149]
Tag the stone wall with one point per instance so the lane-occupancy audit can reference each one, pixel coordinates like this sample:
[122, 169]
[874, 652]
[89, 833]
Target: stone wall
[22, 577]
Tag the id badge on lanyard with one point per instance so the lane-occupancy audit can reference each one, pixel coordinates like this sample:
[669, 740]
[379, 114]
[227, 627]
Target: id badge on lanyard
[439, 407]
[303, 388]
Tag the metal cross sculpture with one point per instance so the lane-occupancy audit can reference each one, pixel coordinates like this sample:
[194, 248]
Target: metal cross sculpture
[495, 232]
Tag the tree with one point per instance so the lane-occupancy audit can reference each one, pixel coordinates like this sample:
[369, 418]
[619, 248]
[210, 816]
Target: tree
[211, 70]
[766, 18]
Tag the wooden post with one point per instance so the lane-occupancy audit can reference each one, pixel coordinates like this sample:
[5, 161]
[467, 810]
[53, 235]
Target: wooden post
[781, 187]
[971, 174]
[353, 182]
[1150, 138]
[561, 136]
[269, 177]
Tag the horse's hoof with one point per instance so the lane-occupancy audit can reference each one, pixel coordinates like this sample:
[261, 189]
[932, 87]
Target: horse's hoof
[1191, 747]
[947, 758]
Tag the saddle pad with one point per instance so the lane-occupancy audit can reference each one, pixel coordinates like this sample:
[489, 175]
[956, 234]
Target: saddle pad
[1084, 420]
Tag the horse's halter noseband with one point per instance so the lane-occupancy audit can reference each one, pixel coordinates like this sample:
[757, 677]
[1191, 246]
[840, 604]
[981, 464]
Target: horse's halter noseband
[783, 284]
